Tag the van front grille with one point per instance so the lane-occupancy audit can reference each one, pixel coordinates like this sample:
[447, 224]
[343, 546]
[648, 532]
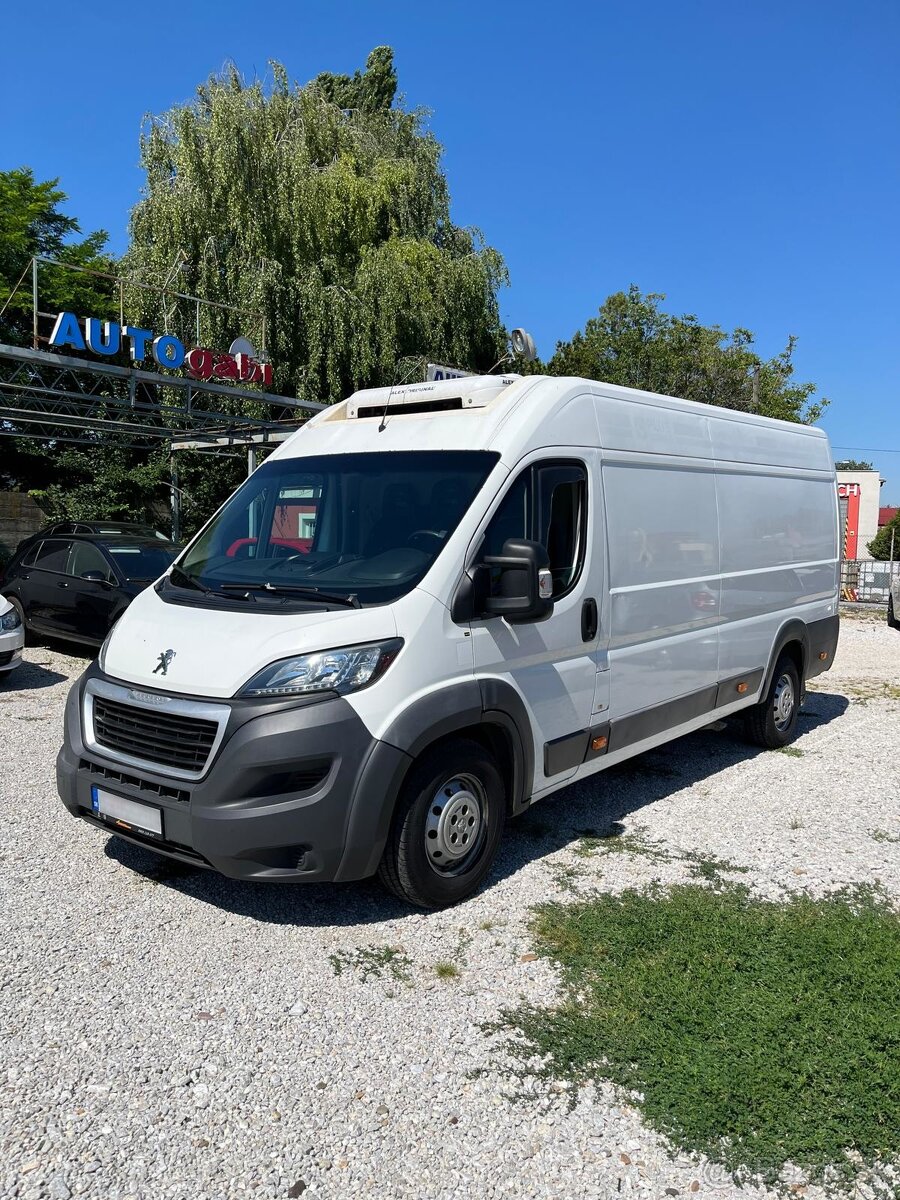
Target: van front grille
[170, 739]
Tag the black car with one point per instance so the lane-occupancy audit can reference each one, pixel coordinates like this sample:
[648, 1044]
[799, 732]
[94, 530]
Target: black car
[78, 587]
[104, 529]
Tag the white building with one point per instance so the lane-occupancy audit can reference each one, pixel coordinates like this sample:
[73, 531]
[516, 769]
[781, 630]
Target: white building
[860, 497]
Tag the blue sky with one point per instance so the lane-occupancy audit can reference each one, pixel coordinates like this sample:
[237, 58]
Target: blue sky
[744, 159]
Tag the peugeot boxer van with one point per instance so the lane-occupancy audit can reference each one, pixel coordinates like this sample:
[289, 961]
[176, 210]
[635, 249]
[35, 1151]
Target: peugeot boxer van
[440, 603]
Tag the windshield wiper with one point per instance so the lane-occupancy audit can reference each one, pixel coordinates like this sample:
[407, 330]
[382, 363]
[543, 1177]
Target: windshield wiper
[298, 589]
[185, 580]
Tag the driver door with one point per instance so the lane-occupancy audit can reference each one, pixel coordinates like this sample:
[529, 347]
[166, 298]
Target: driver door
[554, 663]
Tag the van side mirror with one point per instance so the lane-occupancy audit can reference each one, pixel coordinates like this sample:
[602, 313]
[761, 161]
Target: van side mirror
[525, 591]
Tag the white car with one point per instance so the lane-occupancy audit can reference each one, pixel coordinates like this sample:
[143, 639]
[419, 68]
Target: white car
[12, 637]
[893, 613]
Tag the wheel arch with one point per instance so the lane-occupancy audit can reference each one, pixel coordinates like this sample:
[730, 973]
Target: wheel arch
[792, 639]
[489, 712]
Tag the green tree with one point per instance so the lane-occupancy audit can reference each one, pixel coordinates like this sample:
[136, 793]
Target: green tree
[67, 481]
[31, 223]
[880, 546]
[632, 342]
[325, 208]
[853, 464]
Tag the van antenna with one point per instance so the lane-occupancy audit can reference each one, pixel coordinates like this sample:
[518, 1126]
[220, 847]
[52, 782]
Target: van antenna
[405, 379]
[521, 345]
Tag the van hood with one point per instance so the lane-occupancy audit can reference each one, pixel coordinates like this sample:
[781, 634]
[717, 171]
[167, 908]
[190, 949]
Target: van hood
[209, 652]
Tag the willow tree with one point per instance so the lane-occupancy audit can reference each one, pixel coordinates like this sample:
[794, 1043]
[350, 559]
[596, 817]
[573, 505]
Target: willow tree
[325, 208]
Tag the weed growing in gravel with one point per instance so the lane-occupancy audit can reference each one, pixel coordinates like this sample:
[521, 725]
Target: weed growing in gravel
[615, 840]
[565, 876]
[446, 970]
[710, 868]
[376, 961]
[790, 751]
[796, 823]
[753, 1032]
[882, 835]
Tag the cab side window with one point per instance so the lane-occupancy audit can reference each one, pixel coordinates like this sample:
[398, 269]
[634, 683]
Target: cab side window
[547, 503]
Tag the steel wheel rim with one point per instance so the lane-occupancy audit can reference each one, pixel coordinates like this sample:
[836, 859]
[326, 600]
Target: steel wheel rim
[783, 702]
[455, 827]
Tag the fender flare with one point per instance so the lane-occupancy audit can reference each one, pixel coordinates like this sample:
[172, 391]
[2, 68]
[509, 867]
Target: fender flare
[460, 706]
[793, 631]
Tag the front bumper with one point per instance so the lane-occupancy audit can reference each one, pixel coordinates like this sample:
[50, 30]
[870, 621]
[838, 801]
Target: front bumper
[11, 644]
[295, 791]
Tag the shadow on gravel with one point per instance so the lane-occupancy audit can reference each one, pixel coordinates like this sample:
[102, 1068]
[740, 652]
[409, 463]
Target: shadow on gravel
[309, 904]
[29, 677]
[600, 802]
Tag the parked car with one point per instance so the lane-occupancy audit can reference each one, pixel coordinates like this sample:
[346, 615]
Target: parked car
[131, 529]
[78, 587]
[511, 585]
[893, 613]
[12, 637]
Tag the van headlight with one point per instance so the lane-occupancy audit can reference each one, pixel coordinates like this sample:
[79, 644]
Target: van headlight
[345, 670]
[10, 621]
[101, 657]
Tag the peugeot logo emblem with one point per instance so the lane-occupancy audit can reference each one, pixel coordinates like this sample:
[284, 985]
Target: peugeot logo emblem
[164, 659]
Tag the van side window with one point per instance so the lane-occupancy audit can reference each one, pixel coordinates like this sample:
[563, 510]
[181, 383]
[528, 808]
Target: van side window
[547, 504]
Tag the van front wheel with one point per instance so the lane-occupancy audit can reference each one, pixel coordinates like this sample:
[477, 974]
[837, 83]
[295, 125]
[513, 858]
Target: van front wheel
[447, 826]
[773, 722]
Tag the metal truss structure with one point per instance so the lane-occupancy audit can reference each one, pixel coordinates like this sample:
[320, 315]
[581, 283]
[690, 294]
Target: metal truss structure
[53, 397]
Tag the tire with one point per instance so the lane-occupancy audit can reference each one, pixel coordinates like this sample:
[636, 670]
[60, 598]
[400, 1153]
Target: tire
[892, 620]
[447, 826]
[773, 722]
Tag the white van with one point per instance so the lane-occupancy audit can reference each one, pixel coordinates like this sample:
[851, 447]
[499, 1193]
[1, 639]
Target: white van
[439, 603]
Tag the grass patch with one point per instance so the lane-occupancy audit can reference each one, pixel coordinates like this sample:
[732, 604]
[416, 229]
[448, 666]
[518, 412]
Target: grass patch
[373, 962]
[446, 970]
[615, 840]
[790, 751]
[752, 1032]
[710, 868]
[882, 835]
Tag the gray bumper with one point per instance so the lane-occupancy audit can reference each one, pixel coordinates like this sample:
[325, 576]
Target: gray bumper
[295, 792]
[11, 644]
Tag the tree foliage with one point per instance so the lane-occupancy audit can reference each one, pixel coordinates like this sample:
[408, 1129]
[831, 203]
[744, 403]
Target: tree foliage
[880, 546]
[853, 464]
[325, 208]
[632, 342]
[31, 223]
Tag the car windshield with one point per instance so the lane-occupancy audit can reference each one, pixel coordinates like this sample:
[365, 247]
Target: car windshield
[141, 561]
[346, 525]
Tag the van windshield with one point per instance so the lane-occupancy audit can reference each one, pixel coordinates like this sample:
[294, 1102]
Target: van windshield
[359, 527]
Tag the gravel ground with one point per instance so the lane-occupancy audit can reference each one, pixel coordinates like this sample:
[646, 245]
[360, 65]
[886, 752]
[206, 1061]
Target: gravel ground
[168, 1033]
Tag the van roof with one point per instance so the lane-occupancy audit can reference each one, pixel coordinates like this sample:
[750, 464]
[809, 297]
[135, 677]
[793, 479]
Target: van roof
[515, 414]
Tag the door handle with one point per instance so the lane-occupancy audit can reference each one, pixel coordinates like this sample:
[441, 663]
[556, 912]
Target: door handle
[589, 619]
[62, 585]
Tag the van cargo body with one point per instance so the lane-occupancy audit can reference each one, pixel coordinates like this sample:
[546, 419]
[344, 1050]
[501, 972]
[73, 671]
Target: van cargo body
[439, 603]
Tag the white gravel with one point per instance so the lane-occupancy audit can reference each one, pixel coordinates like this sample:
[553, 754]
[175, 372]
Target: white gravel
[168, 1033]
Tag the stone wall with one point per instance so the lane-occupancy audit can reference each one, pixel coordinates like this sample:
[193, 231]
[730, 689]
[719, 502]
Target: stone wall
[19, 517]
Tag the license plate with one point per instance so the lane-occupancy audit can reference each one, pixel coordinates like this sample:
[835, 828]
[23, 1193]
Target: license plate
[128, 814]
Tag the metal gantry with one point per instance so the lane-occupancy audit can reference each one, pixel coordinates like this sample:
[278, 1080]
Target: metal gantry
[53, 397]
